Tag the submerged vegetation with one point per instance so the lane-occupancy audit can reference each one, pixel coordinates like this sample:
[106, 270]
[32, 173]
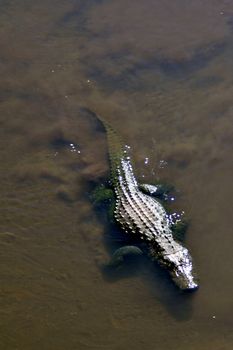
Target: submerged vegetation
[103, 198]
[179, 229]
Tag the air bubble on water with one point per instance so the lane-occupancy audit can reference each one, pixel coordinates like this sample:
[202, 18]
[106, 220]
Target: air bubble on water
[74, 148]
[162, 163]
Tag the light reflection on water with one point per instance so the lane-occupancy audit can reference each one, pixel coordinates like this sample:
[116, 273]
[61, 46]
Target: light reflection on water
[161, 74]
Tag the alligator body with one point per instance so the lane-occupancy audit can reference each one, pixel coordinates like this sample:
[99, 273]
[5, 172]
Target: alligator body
[142, 216]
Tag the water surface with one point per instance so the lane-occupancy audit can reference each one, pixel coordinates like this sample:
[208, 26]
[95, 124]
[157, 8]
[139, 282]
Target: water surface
[161, 74]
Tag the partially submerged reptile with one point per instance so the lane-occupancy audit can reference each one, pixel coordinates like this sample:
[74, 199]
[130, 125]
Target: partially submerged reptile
[142, 216]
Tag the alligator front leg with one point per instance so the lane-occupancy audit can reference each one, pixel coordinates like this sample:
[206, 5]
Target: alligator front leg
[160, 191]
[124, 255]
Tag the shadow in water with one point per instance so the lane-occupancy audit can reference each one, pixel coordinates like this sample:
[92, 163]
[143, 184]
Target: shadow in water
[136, 71]
[178, 303]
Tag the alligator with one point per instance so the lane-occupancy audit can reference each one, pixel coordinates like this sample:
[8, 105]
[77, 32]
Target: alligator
[143, 216]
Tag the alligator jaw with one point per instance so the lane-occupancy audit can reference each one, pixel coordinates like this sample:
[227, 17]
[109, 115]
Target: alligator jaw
[182, 270]
[183, 278]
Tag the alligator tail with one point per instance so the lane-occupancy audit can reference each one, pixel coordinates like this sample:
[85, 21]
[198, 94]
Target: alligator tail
[116, 147]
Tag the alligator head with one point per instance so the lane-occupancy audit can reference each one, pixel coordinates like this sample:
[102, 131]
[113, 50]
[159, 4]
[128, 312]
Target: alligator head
[180, 267]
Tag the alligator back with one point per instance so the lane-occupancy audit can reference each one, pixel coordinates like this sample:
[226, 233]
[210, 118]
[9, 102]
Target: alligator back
[137, 212]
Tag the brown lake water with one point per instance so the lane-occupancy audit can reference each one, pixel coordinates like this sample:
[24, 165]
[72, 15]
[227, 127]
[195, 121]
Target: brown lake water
[161, 73]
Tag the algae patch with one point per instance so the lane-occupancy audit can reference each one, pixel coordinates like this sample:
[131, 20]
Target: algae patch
[103, 198]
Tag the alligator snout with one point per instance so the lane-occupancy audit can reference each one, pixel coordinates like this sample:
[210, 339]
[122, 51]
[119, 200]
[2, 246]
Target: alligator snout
[185, 281]
[182, 270]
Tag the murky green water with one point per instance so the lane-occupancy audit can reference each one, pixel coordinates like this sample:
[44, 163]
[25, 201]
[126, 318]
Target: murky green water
[161, 73]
